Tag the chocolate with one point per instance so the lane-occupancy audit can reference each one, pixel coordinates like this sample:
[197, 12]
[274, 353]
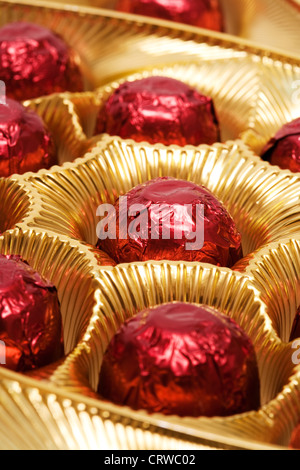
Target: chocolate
[295, 438]
[159, 110]
[30, 317]
[181, 359]
[35, 62]
[283, 149]
[170, 219]
[25, 143]
[295, 332]
[201, 13]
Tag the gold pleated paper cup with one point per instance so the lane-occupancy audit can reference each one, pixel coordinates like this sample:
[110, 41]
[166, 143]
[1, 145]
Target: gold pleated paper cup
[61, 119]
[275, 271]
[17, 203]
[263, 200]
[128, 289]
[65, 263]
[253, 100]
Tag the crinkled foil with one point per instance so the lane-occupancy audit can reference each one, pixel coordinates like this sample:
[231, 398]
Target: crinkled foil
[30, 318]
[159, 109]
[173, 219]
[25, 143]
[284, 148]
[35, 62]
[201, 13]
[263, 200]
[181, 359]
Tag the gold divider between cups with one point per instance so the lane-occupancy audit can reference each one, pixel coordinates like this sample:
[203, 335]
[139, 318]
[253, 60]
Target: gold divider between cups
[59, 116]
[127, 289]
[275, 271]
[17, 203]
[39, 416]
[258, 20]
[263, 200]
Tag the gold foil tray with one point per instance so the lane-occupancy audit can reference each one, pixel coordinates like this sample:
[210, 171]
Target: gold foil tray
[49, 218]
[266, 22]
[256, 90]
[263, 200]
[63, 411]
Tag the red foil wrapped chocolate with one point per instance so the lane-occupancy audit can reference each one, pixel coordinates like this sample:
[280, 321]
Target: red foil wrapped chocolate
[169, 219]
[295, 332]
[35, 62]
[30, 317]
[25, 143]
[283, 149]
[201, 13]
[160, 110]
[181, 359]
[295, 438]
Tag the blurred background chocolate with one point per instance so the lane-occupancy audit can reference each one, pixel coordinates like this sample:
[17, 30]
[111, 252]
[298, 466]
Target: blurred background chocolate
[162, 220]
[25, 143]
[181, 359]
[283, 149]
[35, 61]
[160, 110]
[294, 443]
[30, 318]
[295, 332]
[201, 13]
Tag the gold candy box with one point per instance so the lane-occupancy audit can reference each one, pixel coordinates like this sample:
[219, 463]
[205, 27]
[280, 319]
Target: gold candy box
[49, 218]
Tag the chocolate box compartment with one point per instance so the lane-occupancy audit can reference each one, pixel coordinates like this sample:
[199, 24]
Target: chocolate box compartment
[37, 414]
[275, 271]
[255, 20]
[65, 263]
[263, 200]
[128, 289]
[258, 84]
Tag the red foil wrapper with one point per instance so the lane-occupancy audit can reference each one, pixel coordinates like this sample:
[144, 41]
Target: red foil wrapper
[283, 149]
[201, 13]
[295, 332]
[36, 62]
[181, 359]
[160, 110]
[25, 143]
[169, 219]
[30, 318]
[295, 438]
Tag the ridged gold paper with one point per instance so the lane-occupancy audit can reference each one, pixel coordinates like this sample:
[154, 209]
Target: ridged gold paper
[275, 270]
[263, 201]
[49, 218]
[94, 303]
[257, 20]
[16, 203]
[256, 90]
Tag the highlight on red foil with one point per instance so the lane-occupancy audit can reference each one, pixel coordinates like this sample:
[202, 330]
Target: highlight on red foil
[2, 92]
[154, 224]
[2, 353]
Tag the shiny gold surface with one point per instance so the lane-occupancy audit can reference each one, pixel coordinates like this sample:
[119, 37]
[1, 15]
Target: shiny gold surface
[273, 23]
[54, 213]
[275, 270]
[263, 200]
[60, 414]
